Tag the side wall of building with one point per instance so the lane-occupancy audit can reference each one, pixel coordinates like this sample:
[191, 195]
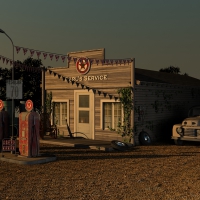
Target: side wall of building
[159, 106]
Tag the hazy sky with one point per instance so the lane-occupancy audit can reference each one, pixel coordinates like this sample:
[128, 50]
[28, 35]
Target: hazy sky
[157, 33]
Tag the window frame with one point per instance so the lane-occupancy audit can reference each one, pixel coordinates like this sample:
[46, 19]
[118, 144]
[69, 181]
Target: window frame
[60, 101]
[101, 112]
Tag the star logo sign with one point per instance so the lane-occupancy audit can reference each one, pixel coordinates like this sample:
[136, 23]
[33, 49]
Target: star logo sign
[83, 65]
[1, 105]
[29, 105]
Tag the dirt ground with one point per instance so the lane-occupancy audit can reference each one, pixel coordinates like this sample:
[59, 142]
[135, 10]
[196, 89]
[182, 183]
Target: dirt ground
[146, 172]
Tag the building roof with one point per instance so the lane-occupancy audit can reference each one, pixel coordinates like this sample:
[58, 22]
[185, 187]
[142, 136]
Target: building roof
[163, 77]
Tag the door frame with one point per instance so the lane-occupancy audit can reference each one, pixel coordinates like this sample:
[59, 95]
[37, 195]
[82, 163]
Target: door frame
[91, 117]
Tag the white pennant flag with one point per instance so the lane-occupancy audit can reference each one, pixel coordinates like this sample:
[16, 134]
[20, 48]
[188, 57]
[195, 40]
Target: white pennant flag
[25, 51]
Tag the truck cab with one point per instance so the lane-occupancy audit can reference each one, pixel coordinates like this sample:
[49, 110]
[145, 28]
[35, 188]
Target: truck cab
[189, 129]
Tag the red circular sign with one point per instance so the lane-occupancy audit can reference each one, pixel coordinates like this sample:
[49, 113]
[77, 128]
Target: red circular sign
[29, 105]
[83, 65]
[1, 105]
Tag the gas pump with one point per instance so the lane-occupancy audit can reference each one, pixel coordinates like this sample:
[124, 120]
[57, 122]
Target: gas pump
[29, 127]
[4, 122]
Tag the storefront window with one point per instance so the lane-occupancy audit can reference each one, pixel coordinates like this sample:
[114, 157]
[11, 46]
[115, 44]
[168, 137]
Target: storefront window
[112, 114]
[59, 113]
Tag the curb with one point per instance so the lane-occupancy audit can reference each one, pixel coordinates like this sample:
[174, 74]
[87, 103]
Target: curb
[13, 158]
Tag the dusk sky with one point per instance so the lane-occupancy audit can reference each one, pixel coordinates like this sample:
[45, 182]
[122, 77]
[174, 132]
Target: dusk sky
[157, 33]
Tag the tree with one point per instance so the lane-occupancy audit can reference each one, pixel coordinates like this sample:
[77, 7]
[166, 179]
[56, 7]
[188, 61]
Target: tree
[171, 69]
[31, 81]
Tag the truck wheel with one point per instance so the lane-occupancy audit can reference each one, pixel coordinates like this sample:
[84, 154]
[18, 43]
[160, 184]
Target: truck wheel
[178, 142]
[144, 138]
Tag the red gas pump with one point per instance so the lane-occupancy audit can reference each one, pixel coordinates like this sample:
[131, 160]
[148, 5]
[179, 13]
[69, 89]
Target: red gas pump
[4, 122]
[29, 127]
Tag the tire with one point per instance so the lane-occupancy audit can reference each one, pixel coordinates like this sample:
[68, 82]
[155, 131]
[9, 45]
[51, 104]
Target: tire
[118, 145]
[144, 138]
[178, 142]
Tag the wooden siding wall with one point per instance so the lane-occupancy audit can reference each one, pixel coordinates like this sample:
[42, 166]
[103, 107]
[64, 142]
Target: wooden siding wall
[94, 54]
[118, 76]
[159, 106]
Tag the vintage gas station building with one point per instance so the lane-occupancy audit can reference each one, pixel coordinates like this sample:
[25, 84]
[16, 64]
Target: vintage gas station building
[85, 93]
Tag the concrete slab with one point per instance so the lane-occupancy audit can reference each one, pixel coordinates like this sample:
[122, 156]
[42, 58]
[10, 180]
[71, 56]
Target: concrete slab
[79, 143]
[14, 158]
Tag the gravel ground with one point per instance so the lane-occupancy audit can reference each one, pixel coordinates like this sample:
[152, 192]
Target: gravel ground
[145, 172]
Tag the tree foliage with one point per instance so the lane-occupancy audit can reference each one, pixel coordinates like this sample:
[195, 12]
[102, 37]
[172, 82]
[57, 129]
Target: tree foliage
[31, 81]
[171, 69]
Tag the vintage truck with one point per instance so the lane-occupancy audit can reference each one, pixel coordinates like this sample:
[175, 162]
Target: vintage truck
[189, 129]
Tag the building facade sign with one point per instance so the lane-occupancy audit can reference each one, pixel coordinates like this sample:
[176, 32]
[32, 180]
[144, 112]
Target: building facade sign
[83, 65]
[89, 78]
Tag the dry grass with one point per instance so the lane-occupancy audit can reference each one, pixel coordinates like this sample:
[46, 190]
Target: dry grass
[146, 172]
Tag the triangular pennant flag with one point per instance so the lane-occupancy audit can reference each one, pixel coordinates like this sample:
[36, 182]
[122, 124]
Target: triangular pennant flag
[102, 62]
[45, 55]
[50, 71]
[57, 57]
[99, 92]
[11, 62]
[3, 59]
[77, 84]
[104, 94]
[51, 56]
[54, 73]
[67, 79]
[111, 61]
[59, 76]
[38, 54]
[32, 52]
[87, 88]
[18, 49]
[69, 59]
[82, 86]
[7, 60]
[63, 78]
[91, 61]
[116, 62]
[120, 62]
[75, 59]
[110, 96]
[63, 58]
[97, 61]
[72, 82]
[25, 51]
[124, 61]
[94, 91]
[116, 98]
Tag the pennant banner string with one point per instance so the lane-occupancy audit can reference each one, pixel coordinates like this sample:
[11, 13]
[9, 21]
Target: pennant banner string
[35, 69]
[74, 58]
